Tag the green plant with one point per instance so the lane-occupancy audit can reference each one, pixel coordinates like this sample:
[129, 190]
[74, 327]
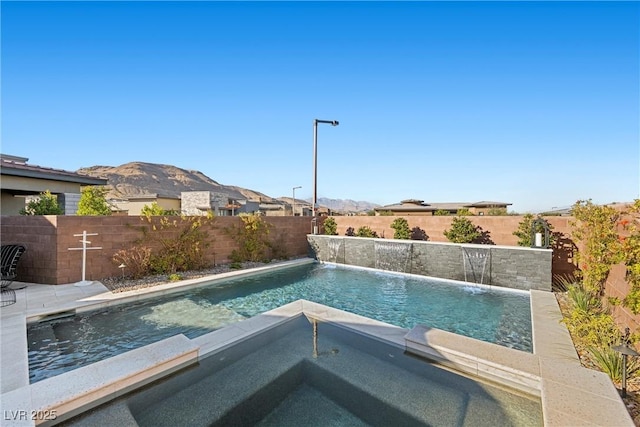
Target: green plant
[462, 231]
[45, 204]
[401, 227]
[366, 231]
[595, 228]
[93, 202]
[175, 277]
[252, 238]
[330, 227]
[609, 361]
[523, 233]
[418, 233]
[154, 209]
[464, 212]
[136, 260]
[630, 249]
[385, 213]
[182, 242]
[441, 212]
[583, 300]
[497, 211]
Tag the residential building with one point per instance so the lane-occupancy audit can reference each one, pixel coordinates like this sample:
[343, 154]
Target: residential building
[21, 180]
[419, 207]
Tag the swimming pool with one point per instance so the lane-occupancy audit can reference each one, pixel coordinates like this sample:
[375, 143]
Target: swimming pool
[283, 377]
[492, 315]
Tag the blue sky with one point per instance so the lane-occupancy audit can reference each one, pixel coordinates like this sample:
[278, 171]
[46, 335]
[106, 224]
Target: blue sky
[532, 103]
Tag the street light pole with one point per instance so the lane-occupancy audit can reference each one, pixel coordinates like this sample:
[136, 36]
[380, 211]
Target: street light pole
[315, 170]
[293, 202]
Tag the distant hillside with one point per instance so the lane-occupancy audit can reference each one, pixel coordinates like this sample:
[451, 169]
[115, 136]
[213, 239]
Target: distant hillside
[345, 205]
[137, 178]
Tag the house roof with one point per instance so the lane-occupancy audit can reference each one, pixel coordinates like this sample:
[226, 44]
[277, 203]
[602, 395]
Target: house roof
[17, 166]
[416, 205]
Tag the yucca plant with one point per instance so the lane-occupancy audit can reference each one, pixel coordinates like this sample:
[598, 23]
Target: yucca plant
[610, 362]
[583, 300]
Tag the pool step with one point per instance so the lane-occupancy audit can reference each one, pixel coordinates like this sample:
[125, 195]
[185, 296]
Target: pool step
[273, 379]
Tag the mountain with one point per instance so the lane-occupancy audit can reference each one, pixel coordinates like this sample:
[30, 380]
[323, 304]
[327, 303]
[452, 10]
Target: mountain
[137, 178]
[345, 205]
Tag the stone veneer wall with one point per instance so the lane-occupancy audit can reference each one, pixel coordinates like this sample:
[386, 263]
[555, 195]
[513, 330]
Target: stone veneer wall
[48, 238]
[506, 266]
[499, 229]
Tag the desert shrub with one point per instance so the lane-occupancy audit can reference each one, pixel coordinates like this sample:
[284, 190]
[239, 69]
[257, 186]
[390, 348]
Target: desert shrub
[441, 212]
[418, 233]
[330, 227]
[595, 227]
[385, 213]
[350, 232]
[462, 231]
[277, 248]
[464, 212]
[137, 260]
[45, 204]
[609, 361]
[497, 211]
[401, 227]
[582, 300]
[366, 231]
[183, 248]
[252, 238]
[154, 209]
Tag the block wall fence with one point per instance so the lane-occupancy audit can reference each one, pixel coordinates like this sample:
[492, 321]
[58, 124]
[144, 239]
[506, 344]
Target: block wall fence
[48, 238]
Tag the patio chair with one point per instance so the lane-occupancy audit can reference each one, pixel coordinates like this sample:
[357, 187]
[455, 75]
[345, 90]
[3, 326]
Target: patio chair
[10, 255]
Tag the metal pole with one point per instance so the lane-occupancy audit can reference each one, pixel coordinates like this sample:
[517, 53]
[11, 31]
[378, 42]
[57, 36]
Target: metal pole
[624, 375]
[315, 169]
[293, 203]
[315, 176]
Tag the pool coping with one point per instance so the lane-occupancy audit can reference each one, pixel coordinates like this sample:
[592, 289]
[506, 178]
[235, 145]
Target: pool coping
[570, 394]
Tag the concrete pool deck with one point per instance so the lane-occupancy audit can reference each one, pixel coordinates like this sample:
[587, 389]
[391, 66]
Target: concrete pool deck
[569, 393]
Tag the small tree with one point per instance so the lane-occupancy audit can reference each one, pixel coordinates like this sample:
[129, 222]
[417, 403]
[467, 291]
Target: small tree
[464, 212]
[418, 233]
[523, 233]
[595, 228]
[462, 231]
[401, 227]
[365, 231]
[93, 202]
[252, 238]
[45, 204]
[497, 211]
[154, 209]
[330, 227]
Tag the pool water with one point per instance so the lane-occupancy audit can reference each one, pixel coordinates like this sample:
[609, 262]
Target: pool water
[493, 315]
[276, 379]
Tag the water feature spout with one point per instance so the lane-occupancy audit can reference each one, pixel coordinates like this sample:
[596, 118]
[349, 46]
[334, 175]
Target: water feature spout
[393, 256]
[474, 262]
[335, 248]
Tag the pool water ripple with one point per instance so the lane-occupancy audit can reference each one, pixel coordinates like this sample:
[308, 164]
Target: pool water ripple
[491, 315]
